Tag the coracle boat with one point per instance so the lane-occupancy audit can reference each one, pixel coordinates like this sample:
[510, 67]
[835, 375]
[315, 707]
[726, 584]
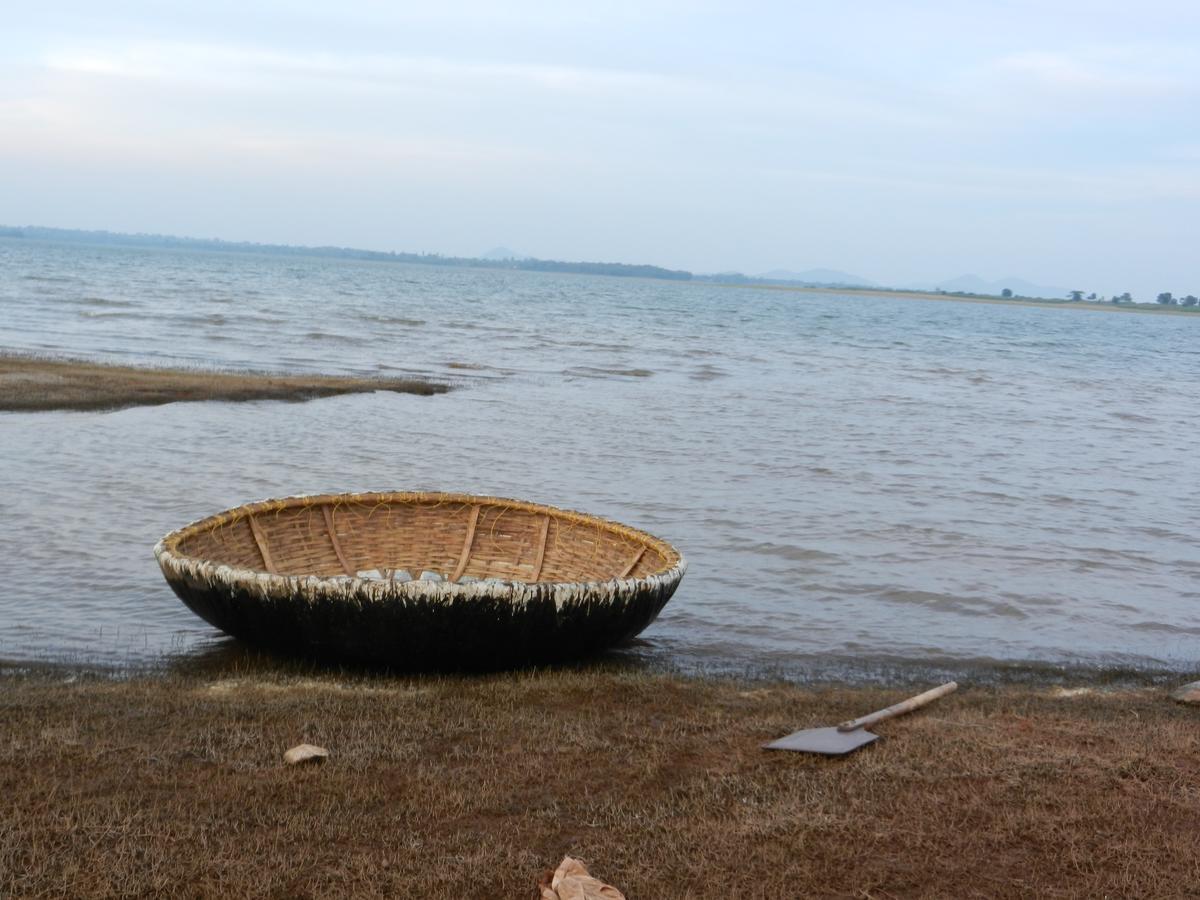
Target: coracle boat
[420, 580]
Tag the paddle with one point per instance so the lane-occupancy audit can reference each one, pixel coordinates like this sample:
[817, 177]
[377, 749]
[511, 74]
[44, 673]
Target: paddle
[849, 736]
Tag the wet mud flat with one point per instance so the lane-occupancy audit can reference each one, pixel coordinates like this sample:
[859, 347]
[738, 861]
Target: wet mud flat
[34, 384]
[173, 784]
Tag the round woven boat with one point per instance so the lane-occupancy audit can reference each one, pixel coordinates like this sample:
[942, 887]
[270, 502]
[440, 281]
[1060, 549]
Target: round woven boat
[421, 580]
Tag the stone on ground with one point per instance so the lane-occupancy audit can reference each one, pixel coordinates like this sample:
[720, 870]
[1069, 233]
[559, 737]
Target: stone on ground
[305, 753]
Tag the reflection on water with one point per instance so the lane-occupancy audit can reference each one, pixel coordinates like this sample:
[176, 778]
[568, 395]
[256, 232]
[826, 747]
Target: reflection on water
[851, 479]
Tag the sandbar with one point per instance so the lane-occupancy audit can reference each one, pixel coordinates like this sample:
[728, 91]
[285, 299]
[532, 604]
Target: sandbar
[34, 384]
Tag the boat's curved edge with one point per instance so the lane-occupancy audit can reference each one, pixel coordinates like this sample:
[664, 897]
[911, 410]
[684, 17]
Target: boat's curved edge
[345, 588]
[165, 548]
[275, 504]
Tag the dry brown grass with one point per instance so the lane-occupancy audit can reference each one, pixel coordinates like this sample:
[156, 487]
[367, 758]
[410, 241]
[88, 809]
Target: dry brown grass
[471, 787]
[30, 384]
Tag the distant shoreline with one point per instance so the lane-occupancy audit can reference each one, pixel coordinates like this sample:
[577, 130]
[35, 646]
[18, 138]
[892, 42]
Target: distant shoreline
[1094, 305]
[40, 384]
[216, 245]
[532, 264]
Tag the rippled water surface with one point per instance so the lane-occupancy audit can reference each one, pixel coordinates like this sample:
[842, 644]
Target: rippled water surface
[849, 477]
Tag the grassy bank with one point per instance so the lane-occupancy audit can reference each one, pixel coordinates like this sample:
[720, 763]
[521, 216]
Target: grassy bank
[472, 787]
[30, 384]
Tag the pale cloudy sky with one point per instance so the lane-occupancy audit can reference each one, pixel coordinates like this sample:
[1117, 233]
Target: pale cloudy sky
[1058, 141]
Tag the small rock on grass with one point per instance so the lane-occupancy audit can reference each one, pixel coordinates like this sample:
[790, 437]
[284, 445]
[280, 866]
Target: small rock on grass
[1188, 693]
[571, 881]
[305, 753]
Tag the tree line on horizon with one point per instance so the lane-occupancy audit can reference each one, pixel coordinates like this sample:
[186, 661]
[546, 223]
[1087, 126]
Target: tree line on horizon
[1166, 298]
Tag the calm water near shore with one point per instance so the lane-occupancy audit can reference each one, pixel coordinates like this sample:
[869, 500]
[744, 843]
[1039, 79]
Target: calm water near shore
[859, 478]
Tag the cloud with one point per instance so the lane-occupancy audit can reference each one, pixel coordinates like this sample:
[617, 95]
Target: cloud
[242, 65]
[1098, 73]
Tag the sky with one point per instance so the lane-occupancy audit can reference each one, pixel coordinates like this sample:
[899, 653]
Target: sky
[903, 142]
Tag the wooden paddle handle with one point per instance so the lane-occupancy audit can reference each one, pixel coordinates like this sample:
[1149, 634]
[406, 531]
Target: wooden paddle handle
[899, 709]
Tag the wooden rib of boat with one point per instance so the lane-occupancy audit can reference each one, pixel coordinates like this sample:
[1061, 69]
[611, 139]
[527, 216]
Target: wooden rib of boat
[421, 580]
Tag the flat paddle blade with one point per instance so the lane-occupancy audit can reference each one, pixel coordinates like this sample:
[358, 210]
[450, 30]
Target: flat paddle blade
[829, 741]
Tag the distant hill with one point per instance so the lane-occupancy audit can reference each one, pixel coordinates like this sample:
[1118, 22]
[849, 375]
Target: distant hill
[817, 276]
[505, 254]
[973, 284]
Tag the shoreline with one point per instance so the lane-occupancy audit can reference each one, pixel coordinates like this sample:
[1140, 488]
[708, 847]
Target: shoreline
[810, 672]
[1031, 302]
[473, 786]
[43, 384]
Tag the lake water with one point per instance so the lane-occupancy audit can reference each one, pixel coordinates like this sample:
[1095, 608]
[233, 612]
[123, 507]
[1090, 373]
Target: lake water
[852, 479]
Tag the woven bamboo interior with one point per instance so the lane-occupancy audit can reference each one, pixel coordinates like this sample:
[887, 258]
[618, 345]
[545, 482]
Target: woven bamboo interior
[450, 534]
